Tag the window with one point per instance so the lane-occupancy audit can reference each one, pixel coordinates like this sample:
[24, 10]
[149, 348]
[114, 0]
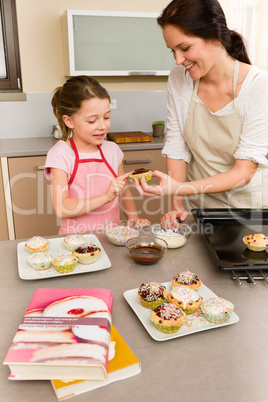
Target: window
[10, 74]
[249, 18]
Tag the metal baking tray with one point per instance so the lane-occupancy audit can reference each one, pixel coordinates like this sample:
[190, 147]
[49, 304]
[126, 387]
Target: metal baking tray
[224, 229]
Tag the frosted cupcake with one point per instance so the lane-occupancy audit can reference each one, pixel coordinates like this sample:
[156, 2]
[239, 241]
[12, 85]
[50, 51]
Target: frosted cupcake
[36, 243]
[152, 294]
[186, 278]
[72, 242]
[167, 318]
[217, 310]
[87, 254]
[40, 261]
[186, 299]
[65, 264]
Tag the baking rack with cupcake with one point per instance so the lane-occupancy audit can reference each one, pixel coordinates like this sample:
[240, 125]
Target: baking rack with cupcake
[40, 258]
[182, 306]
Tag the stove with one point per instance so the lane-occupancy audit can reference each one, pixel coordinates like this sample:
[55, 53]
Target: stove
[223, 231]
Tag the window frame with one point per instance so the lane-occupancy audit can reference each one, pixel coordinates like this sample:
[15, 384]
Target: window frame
[12, 83]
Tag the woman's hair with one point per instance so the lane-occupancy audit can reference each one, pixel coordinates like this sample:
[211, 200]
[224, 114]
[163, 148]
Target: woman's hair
[68, 99]
[204, 19]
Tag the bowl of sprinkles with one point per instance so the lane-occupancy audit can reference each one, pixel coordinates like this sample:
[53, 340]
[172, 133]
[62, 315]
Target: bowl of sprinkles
[119, 232]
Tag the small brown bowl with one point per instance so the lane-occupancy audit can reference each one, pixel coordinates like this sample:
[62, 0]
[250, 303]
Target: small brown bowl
[146, 249]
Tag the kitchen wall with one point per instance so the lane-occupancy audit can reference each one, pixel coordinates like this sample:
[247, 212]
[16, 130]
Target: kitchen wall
[139, 100]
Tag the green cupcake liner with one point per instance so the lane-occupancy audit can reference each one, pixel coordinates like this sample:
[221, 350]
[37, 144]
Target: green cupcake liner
[152, 304]
[65, 269]
[166, 329]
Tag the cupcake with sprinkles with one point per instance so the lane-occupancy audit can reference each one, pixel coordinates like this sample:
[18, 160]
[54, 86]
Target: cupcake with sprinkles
[186, 278]
[168, 318]
[40, 261]
[65, 263]
[152, 294]
[217, 310]
[72, 242]
[36, 244]
[87, 254]
[186, 299]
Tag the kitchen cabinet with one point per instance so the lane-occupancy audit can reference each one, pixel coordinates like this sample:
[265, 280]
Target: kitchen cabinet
[31, 204]
[3, 217]
[147, 207]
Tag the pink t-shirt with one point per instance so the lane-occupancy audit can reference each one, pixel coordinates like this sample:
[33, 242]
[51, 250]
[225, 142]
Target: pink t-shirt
[61, 156]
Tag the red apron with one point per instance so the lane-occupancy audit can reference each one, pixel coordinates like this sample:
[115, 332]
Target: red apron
[90, 177]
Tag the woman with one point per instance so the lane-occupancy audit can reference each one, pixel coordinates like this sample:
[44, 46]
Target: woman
[217, 124]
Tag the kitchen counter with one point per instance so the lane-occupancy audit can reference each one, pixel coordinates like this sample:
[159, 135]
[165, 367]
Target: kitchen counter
[16, 147]
[223, 364]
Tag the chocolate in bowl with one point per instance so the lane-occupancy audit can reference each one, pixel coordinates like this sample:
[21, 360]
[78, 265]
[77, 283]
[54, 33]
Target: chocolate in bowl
[146, 249]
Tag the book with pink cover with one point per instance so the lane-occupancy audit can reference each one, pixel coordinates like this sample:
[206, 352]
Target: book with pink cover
[65, 333]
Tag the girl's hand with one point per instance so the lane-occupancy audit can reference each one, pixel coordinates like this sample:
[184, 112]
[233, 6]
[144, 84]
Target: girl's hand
[172, 216]
[166, 186]
[143, 222]
[116, 186]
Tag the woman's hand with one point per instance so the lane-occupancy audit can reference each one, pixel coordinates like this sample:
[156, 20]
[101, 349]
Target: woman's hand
[116, 186]
[173, 216]
[143, 222]
[166, 186]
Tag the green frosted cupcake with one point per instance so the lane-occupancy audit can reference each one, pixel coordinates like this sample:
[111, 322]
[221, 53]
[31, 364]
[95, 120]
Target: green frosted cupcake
[147, 173]
[152, 294]
[65, 264]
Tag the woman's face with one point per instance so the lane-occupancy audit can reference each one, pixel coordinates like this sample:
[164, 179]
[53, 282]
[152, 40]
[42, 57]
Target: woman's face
[197, 55]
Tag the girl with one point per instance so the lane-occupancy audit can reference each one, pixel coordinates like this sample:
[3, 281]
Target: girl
[216, 142]
[86, 172]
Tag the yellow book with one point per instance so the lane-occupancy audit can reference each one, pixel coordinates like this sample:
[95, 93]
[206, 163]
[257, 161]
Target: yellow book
[124, 364]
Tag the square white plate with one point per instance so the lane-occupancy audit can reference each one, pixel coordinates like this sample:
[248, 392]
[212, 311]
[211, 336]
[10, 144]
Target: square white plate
[194, 323]
[27, 272]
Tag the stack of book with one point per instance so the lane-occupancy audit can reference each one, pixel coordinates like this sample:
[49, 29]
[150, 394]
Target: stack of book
[66, 336]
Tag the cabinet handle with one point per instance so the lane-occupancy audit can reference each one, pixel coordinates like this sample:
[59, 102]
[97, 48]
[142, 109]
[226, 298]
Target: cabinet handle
[139, 161]
[40, 167]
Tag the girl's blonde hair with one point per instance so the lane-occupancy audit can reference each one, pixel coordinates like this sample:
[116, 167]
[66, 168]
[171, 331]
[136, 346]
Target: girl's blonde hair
[68, 99]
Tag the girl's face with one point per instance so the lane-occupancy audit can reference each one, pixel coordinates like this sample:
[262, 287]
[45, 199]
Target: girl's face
[90, 124]
[197, 55]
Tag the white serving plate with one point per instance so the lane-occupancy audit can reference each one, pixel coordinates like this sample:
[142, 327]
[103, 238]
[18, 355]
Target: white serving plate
[194, 322]
[27, 272]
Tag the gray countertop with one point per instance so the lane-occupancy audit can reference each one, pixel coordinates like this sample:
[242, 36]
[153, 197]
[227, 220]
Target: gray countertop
[223, 364]
[20, 147]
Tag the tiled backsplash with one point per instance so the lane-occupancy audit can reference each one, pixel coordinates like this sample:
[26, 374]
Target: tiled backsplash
[34, 117]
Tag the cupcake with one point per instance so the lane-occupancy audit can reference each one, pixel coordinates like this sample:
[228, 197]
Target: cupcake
[187, 279]
[36, 243]
[147, 173]
[72, 242]
[167, 318]
[217, 310]
[65, 264]
[40, 261]
[152, 294]
[256, 242]
[186, 299]
[87, 254]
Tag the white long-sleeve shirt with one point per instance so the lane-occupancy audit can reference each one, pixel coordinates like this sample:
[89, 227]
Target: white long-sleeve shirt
[253, 106]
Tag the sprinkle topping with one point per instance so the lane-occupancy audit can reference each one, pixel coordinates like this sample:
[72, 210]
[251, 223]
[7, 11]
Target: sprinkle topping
[217, 305]
[151, 291]
[74, 239]
[36, 242]
[186, 278]
[168, 311]
[40, 257]
[120, 234]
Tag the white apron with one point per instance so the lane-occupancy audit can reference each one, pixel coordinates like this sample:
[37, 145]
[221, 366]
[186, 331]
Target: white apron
[213, 141]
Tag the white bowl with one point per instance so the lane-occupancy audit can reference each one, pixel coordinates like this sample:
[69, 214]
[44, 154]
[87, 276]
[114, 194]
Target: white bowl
[176, 235]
